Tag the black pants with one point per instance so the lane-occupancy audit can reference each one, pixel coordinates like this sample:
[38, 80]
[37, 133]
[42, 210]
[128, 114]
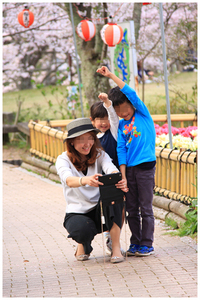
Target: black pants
[83, 227]
[139, 201]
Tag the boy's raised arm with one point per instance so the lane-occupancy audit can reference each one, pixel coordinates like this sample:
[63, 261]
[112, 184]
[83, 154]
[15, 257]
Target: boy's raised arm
[105, 72]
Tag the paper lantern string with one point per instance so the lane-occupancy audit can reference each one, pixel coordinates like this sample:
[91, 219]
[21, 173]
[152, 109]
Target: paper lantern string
[97, 19]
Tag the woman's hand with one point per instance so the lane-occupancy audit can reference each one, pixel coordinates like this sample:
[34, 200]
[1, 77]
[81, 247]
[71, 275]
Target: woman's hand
[92, 180]
[122, 184]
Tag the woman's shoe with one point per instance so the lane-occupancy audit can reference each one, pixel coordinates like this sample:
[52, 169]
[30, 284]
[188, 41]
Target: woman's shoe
[116, 259]
[81, 257]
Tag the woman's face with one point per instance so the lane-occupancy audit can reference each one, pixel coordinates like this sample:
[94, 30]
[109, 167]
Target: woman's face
[84, 143]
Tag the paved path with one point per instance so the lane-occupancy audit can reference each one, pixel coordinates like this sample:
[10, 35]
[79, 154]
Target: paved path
[38, 258]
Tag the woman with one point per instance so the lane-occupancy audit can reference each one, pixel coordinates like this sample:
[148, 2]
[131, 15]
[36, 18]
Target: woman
[79, 169]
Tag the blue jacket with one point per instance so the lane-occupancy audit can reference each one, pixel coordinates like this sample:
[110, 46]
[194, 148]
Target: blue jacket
[136, 137]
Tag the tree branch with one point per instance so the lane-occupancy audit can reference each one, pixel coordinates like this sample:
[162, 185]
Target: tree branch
[105, 47]
[51, 71]
[166, 24]
[34, 28]
[182, 97]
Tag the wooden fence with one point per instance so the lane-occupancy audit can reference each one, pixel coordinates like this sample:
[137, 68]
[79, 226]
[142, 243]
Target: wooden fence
[176, 174]
[156, 118]
[177, 118]
[176, 171]
[56, 123]
[46, 142]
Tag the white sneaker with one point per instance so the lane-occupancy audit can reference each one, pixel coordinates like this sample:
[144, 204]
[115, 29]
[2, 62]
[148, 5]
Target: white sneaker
[109, 247]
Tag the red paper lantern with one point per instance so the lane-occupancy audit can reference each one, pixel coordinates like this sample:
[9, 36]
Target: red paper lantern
[111, 34]
[86, 30]
[26, 18]
[146, 3]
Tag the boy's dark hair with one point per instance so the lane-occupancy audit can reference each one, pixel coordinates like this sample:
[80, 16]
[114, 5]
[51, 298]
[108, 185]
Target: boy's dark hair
[97, 110]
[117, 97]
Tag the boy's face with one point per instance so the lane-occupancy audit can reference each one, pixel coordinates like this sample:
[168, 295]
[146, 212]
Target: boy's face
[125, 111]
[103, 124]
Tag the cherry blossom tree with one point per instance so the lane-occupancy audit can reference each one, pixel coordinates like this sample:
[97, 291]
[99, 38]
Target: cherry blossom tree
[94, 53]
[38, 52]
[180, 22]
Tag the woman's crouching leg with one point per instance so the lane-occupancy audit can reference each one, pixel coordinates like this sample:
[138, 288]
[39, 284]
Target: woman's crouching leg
[81, 229]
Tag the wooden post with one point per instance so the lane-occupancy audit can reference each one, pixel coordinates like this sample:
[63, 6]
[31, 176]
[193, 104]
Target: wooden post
[16, 119]
[173, 176]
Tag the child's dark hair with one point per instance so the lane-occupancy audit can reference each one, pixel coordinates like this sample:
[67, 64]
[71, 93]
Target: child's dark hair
[97, 110]
[117, 97]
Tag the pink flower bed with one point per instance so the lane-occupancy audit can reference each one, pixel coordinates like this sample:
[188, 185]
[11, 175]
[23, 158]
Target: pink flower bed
[186, 132]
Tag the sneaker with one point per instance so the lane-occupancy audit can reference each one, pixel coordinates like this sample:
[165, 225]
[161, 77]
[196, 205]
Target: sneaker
[144, 251]
[108, 245]
[123, 252]
[132, 249]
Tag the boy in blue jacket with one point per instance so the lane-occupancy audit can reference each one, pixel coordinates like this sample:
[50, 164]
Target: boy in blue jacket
[137, 159]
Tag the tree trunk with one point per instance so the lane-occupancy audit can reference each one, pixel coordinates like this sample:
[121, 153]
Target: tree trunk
[136, 17]
[91, 59]
[93, 83]
[25, 83]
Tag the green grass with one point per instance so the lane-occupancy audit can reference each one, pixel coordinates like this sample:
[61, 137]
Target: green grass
[190, 226]
[170, 222]
[30, 97]
[155, 92]
[154, 97]
[35, 104]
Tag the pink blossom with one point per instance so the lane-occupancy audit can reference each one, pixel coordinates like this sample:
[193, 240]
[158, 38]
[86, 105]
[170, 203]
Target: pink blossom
[186, 132]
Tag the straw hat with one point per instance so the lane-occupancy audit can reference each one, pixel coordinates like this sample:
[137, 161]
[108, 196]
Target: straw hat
[78, 127]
